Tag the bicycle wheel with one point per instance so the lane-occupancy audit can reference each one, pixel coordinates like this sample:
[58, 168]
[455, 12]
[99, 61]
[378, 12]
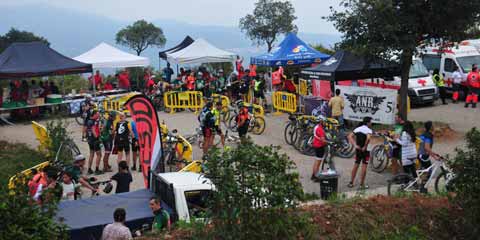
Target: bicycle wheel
[287, 133]
[396, 185]
[379, 159]
[327, 159]
[79, 119]
[443, 182]
[232, 124]
[258, 126]
[297, 132]
[306, 147]
[345, 150]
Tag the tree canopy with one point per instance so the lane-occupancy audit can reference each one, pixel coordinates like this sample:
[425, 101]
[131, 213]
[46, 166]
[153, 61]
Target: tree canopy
[270, 18]
[141, 35]
[397, 27]
[15, 35]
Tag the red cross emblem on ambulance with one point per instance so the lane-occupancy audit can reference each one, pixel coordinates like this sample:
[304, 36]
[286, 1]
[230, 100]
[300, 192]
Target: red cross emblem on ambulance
[422, 82]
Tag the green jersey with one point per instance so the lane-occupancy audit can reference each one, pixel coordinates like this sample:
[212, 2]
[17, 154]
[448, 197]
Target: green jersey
[160, 221]
[106, 133]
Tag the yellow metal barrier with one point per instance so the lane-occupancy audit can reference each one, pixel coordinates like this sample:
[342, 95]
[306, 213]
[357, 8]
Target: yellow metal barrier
[302, 87]
[115, 103]
[195, 166]
[283, 101]
[23, 176]
[42, 137]
[183, 100]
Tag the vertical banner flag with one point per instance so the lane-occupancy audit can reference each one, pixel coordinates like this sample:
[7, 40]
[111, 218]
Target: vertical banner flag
[379, 104]
[149, 139]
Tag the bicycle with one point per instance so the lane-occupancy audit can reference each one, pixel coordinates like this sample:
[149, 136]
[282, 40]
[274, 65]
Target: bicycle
[403, 182]
[328, 162]
[382, 154]
[177, 151]
[256, 126]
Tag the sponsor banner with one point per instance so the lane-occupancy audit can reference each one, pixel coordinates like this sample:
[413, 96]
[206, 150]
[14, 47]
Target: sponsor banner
[379, 104]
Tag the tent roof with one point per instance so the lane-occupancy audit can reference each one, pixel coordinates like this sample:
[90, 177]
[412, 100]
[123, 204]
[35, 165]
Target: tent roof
[36, 59]
[185, 43]
[106, 56]
[291, 51]
[200, 51]
[345, 65]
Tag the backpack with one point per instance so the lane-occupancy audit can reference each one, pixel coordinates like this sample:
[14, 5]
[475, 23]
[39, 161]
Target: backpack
[34, 183]
[202, 116]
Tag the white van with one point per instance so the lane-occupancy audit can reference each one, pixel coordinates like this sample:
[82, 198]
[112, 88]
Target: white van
[445, 60]
[421, 88]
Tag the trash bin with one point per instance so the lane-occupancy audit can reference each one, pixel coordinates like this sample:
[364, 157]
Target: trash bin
[328, 184]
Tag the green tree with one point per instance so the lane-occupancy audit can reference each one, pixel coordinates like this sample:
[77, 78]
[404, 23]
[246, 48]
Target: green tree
[15, 35]
[323, 49]
[140, 36]
[270, 18]
[397, 27]
[256, 189]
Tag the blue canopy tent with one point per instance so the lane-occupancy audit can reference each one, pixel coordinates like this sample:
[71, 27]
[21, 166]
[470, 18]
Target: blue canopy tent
[291, 51]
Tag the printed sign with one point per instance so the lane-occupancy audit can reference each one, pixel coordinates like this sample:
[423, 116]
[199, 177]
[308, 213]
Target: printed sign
[379, 104]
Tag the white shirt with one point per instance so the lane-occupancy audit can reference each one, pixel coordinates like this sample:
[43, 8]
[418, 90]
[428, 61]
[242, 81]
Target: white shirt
[409, 149]
[457, 77]
[68, 188]
[116, 231]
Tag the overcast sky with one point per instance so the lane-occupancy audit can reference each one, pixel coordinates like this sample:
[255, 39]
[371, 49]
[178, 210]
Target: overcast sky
[204, 12]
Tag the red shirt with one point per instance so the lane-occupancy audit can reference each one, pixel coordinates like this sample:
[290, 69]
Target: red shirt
[473, 79]
[108, 86]
[253, 70]
[318, 133]
[98, 79]
[123, 81]
[190, 83]
[289, 86]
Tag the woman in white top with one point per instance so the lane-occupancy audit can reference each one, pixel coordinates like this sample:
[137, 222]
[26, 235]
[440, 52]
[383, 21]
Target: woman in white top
[68, 187]
[409, 150]
[458, 78]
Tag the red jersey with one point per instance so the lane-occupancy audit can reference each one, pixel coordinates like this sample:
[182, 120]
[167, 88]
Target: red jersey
[318, 136]
[190, 83]
[473, 79]
[98, 80]
[108, 86]
[253, 70]
[123, 80]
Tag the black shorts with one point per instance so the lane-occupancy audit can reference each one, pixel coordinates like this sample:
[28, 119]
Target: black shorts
[217, 130]
[242, 131]
[320, 152]
[135, 147]
[94, 145]
[396, 151]
[362, 156]
[207, 132]
[122, 146]
[107, 145]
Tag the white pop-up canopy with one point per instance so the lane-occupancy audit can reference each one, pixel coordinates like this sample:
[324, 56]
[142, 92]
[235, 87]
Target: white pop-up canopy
[200, 51]
[106, 56]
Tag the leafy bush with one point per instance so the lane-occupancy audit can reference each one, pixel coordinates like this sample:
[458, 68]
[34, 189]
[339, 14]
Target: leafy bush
[16, 157]
[257, 191]
[466, 183]
[57, 131]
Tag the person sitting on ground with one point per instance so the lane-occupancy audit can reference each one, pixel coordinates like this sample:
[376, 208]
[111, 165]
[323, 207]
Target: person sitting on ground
[409, 151]
[425, 150]
[68, 186]
[360, 138]
[123, 178]
[117, 230]
[161, 219]
[93, 139]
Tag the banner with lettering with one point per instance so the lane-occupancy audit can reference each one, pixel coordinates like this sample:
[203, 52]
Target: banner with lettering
[379, 104]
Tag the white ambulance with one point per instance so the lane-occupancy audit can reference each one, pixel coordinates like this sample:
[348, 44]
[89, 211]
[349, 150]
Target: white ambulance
[445, 60]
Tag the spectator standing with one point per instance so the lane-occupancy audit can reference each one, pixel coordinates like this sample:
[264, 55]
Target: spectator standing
[117, 230]
[457, 81]
[360, 138]
[97, 80]
[409, 151]
[106, 136]
[108, 86]
[167, 73]
[473, 81]
[438, 80]
[319, 144]
[191, 81]
[207, 123]
[93, 139]
[124, 80]
[161, 219]
[238, 64]
[123, 178]
[54, 88]
[337, 104]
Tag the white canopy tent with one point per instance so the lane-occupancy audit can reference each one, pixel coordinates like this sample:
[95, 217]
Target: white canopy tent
[106, 56]
[200, 51]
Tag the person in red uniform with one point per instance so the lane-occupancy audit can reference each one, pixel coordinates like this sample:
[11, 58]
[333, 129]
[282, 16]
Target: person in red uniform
[191, 81]
[108, 86]
[98, 79]
[148, 80]
[319, 144]
[473, 81]
[253, 70]
[124, 80]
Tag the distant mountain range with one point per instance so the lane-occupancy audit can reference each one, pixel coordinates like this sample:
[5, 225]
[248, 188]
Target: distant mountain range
[72, 33]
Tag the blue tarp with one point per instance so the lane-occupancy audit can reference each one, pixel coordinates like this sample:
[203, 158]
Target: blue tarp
[36, 59]
[86, 218]
[291, 51]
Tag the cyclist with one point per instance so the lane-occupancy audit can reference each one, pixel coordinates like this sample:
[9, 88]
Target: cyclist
[93, 138]
[360, 138]
[75, 171]
[135, 147]
[122, 136]
[409, 150]
[217, 129]
[207, 122]
[86, 108]
[319, 144]
[243, 121]
[106, 136]
[426, 144]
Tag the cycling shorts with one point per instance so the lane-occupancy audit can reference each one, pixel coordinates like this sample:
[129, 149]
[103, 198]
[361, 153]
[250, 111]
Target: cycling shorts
[362, 156]
[320, 152]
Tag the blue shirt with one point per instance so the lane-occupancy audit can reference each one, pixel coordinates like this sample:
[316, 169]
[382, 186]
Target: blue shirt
[134, 129]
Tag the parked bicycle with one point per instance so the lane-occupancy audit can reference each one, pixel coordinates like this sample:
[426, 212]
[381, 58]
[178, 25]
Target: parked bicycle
[382, 154]
[438, 173]
[177, 150]
[256, 126]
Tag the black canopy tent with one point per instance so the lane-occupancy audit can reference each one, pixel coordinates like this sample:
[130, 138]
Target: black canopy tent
[345, 65]
[36, 59]
[185, 43]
